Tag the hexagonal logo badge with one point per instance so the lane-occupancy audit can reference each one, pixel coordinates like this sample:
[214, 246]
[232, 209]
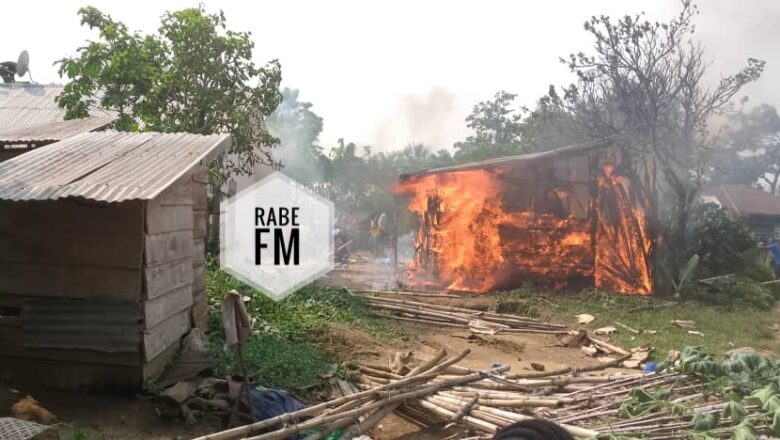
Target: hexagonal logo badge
[277, 235]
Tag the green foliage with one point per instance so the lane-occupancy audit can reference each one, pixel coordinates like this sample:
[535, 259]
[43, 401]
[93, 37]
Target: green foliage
[497, 130]
[734, 411]
[762, 395]
[526, 301]
[192, 76]
[776, 423]
[642, 401]
[736, 292]
[723, 327]
[719, 239]
[694, 360]
[704, 421]
[685, 274]
[286, 349]
[416, 157]
[744, 431]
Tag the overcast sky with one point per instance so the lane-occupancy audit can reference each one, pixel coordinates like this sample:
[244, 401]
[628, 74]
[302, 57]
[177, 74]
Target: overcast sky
[387, 73]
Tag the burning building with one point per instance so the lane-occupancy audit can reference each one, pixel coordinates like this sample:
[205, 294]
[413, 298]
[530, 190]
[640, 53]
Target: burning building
[567, 218]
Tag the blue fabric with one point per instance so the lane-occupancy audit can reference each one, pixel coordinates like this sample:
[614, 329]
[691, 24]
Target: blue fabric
[774, 251]
[271, 403]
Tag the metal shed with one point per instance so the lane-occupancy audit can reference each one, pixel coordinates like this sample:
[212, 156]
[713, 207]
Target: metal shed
[102, 257]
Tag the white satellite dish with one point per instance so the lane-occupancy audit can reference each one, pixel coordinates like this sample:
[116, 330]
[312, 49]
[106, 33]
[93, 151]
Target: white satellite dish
[23, 64]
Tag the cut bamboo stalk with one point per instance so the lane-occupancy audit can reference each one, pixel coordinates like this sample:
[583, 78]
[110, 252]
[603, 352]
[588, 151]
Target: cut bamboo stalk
[448, 414]
[607, 346]
[568, 370]
[315, 409]
[429, 366]
[515, 417]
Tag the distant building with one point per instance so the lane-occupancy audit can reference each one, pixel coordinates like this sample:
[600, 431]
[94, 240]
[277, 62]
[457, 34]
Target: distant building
[759, 210]
[31, 118]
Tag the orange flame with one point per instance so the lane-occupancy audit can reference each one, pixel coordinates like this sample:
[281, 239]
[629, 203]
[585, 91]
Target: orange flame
[467, 240]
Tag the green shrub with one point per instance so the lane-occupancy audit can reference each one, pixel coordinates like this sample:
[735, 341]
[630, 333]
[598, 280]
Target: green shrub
[723, 243]
[736, 291]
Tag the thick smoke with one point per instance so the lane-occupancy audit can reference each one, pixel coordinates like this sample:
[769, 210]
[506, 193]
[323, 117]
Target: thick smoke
[733, 31]
[433, 119]
[298, 128]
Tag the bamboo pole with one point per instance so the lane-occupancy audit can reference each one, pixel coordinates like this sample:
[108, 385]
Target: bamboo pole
[311, 410]
[567, 370]
[429, 366]
[516, 417]
[607, 346]
[391, 398]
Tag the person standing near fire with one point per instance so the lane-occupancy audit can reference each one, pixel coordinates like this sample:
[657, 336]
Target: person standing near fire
[378, 232]
[774, 257]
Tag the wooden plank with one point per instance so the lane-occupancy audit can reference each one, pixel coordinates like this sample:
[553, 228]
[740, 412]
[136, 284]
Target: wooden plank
[11, 345]
[179, 193]
[81, 376]
[51, 247]
[40, 280]
[199, 198]
[168, 218]
[199, 279]
[168, 332]
[200, 311]
[163, 307]
[168, 247]
[154, 368]
[200, 174]
[199, 252]
[71, 217]
[199, 223]
[166, 277]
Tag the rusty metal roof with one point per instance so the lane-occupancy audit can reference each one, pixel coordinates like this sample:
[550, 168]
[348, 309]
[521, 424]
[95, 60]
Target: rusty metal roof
[51, 131]
[743, 199]
[107, 166]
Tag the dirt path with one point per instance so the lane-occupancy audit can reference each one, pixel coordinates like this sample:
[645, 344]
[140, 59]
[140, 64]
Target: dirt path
[105, 417]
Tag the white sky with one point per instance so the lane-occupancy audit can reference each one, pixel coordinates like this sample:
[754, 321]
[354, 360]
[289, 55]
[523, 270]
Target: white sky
[387, 73]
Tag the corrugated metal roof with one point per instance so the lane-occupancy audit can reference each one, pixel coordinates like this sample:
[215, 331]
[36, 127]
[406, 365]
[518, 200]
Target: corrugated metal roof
[744, 199]
[29, 114]
[107, 326]
[23, 104]
[50, 131]
[107, 166]
[516, 159]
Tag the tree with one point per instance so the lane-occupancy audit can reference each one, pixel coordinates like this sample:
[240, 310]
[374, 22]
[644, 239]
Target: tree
[549, 126]
[416, 157]
[497, 130]
[192, 76]
[646, 80]
[298, 129]
[752, 151]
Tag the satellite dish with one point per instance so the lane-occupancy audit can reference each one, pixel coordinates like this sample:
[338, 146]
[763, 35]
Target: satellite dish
[23, 63]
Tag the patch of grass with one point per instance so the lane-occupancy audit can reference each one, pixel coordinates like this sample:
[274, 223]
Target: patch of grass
[724, 328]
[286, 349]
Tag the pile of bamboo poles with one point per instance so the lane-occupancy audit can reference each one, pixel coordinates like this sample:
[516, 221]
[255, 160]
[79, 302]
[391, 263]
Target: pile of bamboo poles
[361, 411]
[584, 405]
[459, 317]
[441, 391]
